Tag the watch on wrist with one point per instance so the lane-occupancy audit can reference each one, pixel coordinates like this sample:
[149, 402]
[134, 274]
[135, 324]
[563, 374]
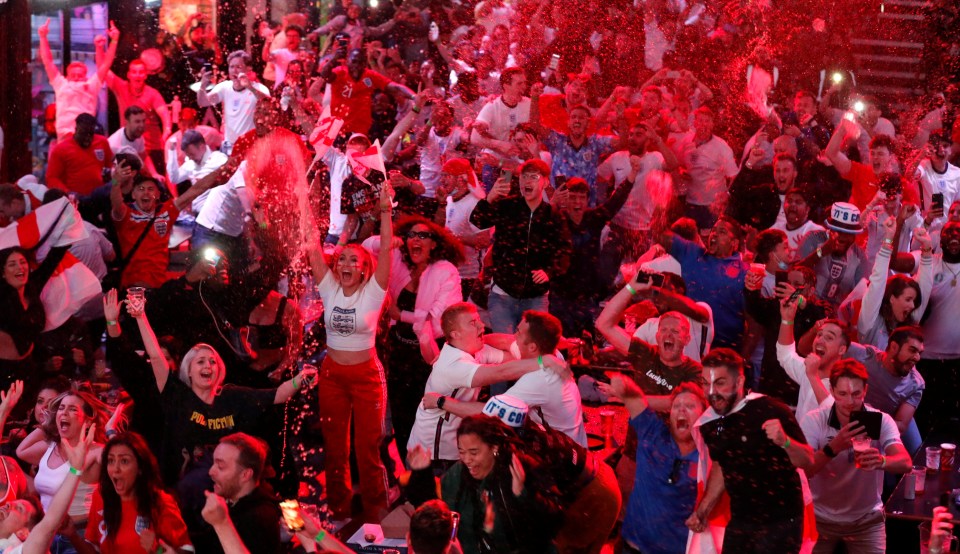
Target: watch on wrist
[441, 401]
[829, 451]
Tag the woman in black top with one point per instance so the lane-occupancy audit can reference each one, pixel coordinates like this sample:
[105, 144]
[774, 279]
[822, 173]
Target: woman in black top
[23, 317]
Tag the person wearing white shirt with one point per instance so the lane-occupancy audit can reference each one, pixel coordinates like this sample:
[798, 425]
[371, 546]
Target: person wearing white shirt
[552, 395]
[223, 217]
[130, 137]
[847, 485]
[491, 130]
[937, 176]
[281, 57]
[465, 364]
[199, 162]
[238, 97]
[710, 165]
[796, 222]
[811, 373]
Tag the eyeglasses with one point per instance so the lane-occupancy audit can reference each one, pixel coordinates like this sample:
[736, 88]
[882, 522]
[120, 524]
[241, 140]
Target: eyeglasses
[422, 235]
[674, 477]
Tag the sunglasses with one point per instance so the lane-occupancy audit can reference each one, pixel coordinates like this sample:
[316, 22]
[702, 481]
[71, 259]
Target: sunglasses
[422, 235]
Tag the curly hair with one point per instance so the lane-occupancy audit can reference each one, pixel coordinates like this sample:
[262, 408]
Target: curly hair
[448, 247]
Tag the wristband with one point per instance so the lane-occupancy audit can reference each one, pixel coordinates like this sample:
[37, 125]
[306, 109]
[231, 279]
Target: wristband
[888, 242]
[786, 322]
[883, 462]
[296, 386]
[111, 322]
[540, 361]
[801, 302]
[819, 252]
[414, 110]
[631, 290]
[786, 444]
[74, 471]
[110, 433]
[320, 536]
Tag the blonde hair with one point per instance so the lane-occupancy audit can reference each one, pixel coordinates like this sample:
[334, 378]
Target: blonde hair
[93, 409]
[184, 373]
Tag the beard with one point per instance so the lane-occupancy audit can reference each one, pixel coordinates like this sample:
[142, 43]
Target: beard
[722, 404]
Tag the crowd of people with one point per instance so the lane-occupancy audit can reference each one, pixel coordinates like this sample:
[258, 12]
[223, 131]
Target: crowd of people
[401, 254]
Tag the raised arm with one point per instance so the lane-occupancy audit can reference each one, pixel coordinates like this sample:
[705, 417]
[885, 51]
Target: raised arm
[873, 298]
[833, 151]
[627, 391]
[609, 319]
[538, 129]
[46, 56]
[38, 542]
[120, 173]
[150, 343]
[385, 257]
[103, 66]
[390, 144]
[8, 400]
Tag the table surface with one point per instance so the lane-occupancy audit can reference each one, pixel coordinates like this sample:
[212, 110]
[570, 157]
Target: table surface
[921, 508]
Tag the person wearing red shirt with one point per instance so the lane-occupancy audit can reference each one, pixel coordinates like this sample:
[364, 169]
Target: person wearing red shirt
[352, 86]
[864, 178]
[130, 512]
[148, 265]
[77, 162]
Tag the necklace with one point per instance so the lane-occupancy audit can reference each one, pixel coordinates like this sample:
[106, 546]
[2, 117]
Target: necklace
[953, 282]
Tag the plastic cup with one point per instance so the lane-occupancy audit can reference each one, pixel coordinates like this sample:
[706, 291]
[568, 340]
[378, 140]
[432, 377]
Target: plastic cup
[933, 459]
[920, 473]
[606, 425]
[861, 444]
[948, 452]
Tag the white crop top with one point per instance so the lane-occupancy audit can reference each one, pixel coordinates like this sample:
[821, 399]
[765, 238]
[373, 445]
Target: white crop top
[351, 321]
[48, 481]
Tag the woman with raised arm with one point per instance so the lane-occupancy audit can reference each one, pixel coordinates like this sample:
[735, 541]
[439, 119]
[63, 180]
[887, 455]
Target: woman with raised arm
[352, 381]
[46, 447]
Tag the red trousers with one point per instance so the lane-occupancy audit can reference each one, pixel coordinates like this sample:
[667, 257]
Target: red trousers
[358, 391]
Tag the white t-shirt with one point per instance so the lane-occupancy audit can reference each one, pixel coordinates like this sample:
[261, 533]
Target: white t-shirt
[73, 99]
[351, 321]
[453, 371]
[946, 183]
[119, 140]
[941, 334]
[223, 211]
[339, 170]
[841, 492]
[433, 154]
[795, 237]
[709, 166]
[458, 221]
[502, 119]
[701, 334]
[637, 211]
[558, 399]
[238, 108]
[281, 59]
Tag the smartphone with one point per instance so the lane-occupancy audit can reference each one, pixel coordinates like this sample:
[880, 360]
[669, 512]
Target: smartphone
[554, 62]
[290, 510]
[644, 276]
[456, 525]
[211, 255]
[793, 296]
[560, 181]
[870, 422]
[207, 67]
[937, 201]
[673, 74]
[507, 175]
[342, 42]
[779, 276]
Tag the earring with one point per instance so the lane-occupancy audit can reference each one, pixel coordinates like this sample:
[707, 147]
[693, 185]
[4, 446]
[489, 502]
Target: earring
[496, 453]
